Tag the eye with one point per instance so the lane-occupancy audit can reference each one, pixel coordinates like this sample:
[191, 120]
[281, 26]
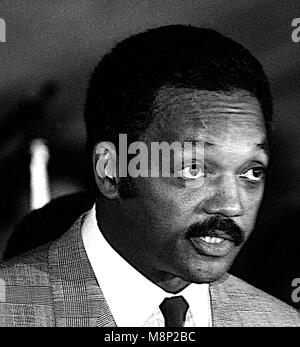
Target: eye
[192, 172]
[256, 174]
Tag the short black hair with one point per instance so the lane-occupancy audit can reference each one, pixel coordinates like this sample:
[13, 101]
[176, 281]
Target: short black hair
[123, 86]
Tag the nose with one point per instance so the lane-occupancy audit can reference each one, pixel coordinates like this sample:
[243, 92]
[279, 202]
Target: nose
[225, 199]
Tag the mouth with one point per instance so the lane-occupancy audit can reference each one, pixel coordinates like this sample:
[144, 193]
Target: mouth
[214, 246]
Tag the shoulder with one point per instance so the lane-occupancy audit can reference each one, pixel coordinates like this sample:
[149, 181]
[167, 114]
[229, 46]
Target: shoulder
[25, 291]
[248, 298]
[34, 284]
[33, 267]
[18, 275]
[27, 268]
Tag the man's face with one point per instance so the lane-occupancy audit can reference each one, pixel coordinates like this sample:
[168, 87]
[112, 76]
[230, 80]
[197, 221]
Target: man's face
[192, 227]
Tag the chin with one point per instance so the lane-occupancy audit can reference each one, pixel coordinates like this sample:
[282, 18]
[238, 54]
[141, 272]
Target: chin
[208, 272]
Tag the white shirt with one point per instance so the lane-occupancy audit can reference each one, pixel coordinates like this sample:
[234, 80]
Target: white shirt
[133, 299]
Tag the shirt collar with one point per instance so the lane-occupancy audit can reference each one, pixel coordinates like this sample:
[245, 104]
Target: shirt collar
[131, 297]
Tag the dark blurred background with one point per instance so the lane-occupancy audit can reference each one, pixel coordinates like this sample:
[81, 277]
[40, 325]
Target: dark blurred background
[51, 49]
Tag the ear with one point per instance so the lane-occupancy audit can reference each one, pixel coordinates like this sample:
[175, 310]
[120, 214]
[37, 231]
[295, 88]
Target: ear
[104, 160]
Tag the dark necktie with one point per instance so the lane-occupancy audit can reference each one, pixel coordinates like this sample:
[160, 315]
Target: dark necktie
[174, 311]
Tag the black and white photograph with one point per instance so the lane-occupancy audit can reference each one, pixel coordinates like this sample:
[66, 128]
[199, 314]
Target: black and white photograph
[149, 166]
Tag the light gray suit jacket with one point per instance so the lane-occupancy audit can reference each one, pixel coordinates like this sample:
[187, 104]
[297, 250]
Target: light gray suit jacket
[54, 285]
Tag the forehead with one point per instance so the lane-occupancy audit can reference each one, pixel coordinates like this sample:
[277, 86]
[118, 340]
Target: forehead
[181, 113]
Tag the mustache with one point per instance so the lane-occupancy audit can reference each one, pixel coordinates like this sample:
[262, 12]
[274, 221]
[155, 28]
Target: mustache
[217, 227]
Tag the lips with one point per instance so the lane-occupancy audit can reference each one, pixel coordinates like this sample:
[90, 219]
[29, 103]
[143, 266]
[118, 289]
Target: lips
[220, 234]
[218, 244]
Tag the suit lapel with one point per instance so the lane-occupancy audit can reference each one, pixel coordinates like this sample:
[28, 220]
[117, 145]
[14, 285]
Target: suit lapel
[235, 303]
[222, 306]
[78, 300]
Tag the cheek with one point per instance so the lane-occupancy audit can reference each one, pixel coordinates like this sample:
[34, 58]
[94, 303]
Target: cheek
[254, 197]
[165, 206]
[251, 203]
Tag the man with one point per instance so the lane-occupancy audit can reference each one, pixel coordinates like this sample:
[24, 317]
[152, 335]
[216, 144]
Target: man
[155, 249]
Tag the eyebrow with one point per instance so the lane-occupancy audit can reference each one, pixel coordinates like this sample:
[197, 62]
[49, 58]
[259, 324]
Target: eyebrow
[263, 145]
